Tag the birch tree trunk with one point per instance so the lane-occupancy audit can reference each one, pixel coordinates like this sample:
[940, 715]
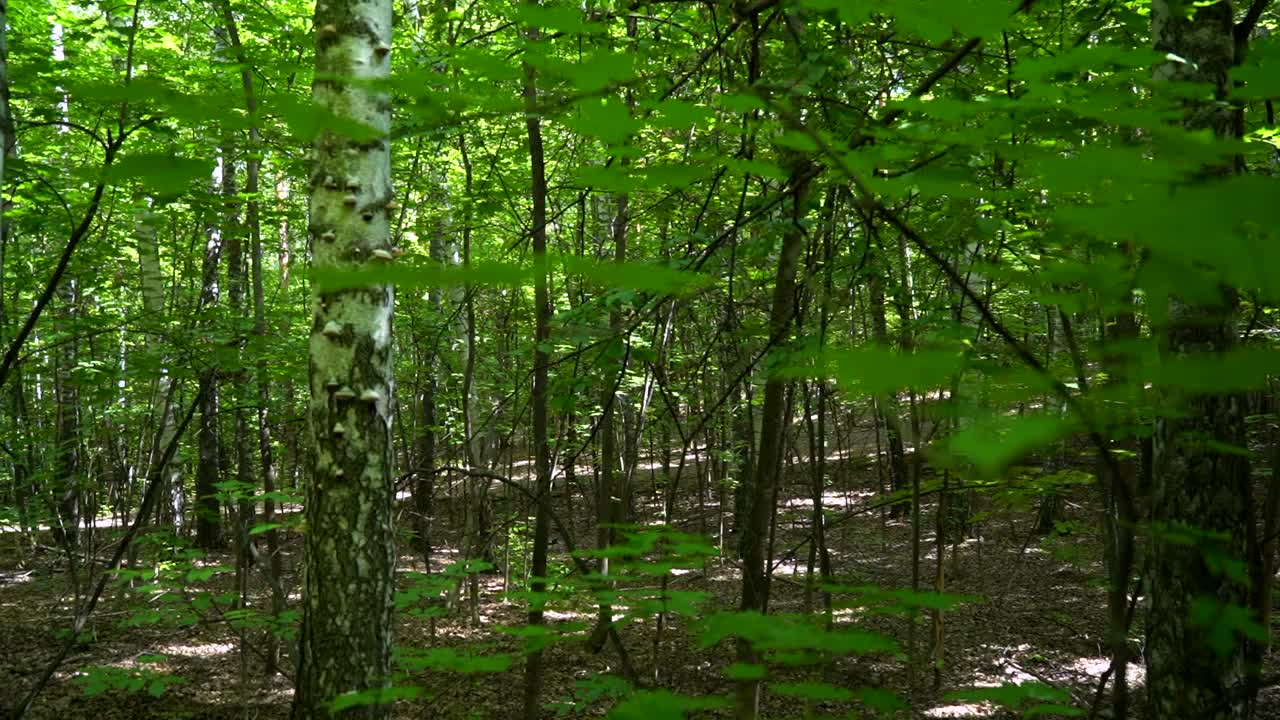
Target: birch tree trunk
[345, 644]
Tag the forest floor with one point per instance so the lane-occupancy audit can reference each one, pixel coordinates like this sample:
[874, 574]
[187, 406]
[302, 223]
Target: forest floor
[1038, 616]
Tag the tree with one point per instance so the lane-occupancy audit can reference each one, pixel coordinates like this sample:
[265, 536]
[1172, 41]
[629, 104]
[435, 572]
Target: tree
[1202, 482]
[345, 642]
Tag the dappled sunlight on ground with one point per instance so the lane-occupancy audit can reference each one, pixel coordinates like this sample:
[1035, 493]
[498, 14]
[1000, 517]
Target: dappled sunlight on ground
[196, 651]
[961, 710]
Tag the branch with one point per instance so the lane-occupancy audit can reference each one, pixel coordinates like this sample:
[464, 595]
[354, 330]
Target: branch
[66, 124]
[1245, 27]
[78, 234]
[154, 483]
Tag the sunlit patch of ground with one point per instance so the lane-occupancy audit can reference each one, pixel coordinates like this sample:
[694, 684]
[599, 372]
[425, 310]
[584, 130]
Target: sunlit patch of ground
[961, 710]
[202, 650]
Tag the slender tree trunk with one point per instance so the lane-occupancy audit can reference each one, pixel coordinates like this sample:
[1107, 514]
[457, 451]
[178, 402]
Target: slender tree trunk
[541, 360]
[67, 427]
[208, 520]
[887, 406]
[774, 421]
[348, 594]
[253, 224]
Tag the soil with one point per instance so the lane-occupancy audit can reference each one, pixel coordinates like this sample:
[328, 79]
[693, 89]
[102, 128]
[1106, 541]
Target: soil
[1037, 614]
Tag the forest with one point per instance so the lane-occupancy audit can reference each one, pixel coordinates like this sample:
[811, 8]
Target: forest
[639, 359]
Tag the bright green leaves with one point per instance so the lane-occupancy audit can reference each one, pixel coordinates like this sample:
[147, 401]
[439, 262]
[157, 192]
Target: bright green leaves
[876, 370]
[932, 21]
[566, 18]
[161, 173]
[1259, 77]
[1031, 699]
[647, 277]
[372, 696]
[1226, 225]
[103, 679]
[991, 446]
[1225, 624]
[1087, 58]
[609, 120]
[601, 69]
[1237, 370]
[792, 636]
[307, 121]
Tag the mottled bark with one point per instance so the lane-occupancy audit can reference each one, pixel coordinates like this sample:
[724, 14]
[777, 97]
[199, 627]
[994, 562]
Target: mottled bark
[1198, 487]
[345, 644]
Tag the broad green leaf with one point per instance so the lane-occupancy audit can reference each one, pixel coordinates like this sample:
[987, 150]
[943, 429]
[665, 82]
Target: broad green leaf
[160, 172]
[560, 18]
[992, 445]
[877, 370]
[602, 69]
[375, 696]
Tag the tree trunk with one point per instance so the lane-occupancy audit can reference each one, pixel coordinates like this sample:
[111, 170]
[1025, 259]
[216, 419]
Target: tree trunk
[887, 406]
[541, 361]
[348, 595]
[208, 520]
[774, 421]
[1197, 488]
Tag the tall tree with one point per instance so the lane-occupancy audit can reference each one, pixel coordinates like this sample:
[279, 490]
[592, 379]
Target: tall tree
[534, 670]
[345, 645]
[1201, 480]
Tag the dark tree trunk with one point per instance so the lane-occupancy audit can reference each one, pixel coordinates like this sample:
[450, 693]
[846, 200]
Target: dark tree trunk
[1199, 489]
[541, 360]
[765, 478]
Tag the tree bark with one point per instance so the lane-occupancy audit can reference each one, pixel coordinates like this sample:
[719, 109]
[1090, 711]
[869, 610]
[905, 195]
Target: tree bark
[348, 593]
[1197, 488]
[541, 361]
[765, 478]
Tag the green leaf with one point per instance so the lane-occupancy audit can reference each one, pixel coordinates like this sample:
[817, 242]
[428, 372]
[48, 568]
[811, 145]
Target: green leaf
[992, 445]
[1223, 622]
[879, 699]
[877, 370]
[374, 696]
[158, 171]
[265, 527]
[608, 119]
[602, 69]
[308, 121]
[744, 671]
[560, 18]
